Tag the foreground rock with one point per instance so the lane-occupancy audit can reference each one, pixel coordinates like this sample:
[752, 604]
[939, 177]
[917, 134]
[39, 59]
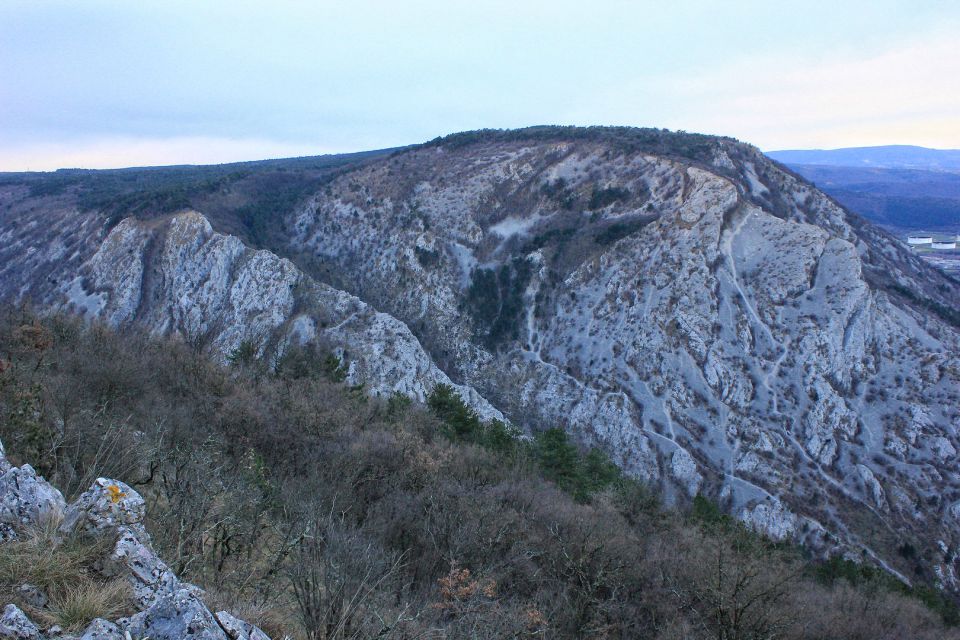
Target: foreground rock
[101, 629]
[15, 624]
[104, 507]
[168, 609]
[26, 499]
[175, 615]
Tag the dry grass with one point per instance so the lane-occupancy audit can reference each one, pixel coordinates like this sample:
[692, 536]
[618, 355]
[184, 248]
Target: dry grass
[74, 607]
[38, 559]
[278, 616]
[65, 570]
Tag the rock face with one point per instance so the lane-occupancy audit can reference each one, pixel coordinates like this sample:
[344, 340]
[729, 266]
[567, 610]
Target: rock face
[15, 624]
[170, 609]
[26, 498]
[179, 276]
[713, 322]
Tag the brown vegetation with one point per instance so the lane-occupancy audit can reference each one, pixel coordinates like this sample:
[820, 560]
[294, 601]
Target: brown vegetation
[65, 573]
[322, 513]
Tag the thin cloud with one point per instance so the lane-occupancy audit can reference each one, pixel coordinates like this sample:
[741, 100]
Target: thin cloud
[124, 83]
[906, 95]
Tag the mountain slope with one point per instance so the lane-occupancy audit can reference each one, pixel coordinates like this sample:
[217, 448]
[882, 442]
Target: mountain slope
[714, 322]
[176, 275]
[227, 458]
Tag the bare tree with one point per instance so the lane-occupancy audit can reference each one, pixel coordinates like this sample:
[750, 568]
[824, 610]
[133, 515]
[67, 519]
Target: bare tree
[339, 579]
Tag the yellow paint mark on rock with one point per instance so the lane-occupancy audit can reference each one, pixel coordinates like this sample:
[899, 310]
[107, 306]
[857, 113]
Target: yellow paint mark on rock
[116, 495]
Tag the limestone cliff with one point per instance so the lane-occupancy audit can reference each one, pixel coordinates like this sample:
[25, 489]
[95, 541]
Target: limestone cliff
[715, 323]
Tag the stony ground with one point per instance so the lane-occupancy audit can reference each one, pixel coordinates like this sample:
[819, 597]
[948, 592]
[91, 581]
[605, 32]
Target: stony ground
[109, 514]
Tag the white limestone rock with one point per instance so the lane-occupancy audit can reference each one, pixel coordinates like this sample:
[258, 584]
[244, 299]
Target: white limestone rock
[105, 506]
[100, 629]
[176, 615]
[943, 448]
[150, 578]
[684, 470]
[873, 486]
[204, 285]
[237, 629]
[771, 518]
[15, 625]
[4, 463]
[27, 499]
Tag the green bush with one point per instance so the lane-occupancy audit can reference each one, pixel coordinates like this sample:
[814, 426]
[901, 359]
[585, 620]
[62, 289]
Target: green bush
[602, 197]
[495, 301]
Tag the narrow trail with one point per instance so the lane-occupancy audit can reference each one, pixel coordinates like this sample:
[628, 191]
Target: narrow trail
[352, 316]
[726, 247]
[774, 371]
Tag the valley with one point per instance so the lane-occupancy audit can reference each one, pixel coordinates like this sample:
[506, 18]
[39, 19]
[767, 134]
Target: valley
[712, 322]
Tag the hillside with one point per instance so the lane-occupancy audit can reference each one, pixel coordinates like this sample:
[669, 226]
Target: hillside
[314, 511]
[712, 322]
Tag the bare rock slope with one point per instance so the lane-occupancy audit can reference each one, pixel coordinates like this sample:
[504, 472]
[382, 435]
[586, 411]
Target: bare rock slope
[715, 323]
[175, 275]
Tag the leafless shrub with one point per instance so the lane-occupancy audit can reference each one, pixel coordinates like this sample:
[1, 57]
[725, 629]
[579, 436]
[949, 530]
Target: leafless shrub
[341, 580]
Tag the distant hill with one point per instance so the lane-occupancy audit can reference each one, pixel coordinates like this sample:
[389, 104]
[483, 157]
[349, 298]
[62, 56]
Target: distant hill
[897, 186]
[886, 157]
[903, 198]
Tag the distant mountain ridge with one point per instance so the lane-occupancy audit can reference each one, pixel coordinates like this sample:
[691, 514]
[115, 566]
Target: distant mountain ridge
[902, 198]
[883, 157]
[901, 186]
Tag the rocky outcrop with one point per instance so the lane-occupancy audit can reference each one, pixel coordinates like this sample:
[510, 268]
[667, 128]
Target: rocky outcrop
[168, 608]
[181, 277]
[101, 629]
[238, 629]
[26, 498]
[15, 624]
[713, 322]
[104, 507]
[176, 615]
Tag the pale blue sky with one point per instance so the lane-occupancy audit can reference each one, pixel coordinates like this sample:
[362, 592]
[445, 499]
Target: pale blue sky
[113, 83]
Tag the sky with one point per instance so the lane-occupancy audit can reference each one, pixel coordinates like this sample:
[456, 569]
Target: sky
[101, 83]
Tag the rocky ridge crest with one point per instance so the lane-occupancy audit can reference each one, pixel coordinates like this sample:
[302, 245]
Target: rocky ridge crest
[166, 607]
